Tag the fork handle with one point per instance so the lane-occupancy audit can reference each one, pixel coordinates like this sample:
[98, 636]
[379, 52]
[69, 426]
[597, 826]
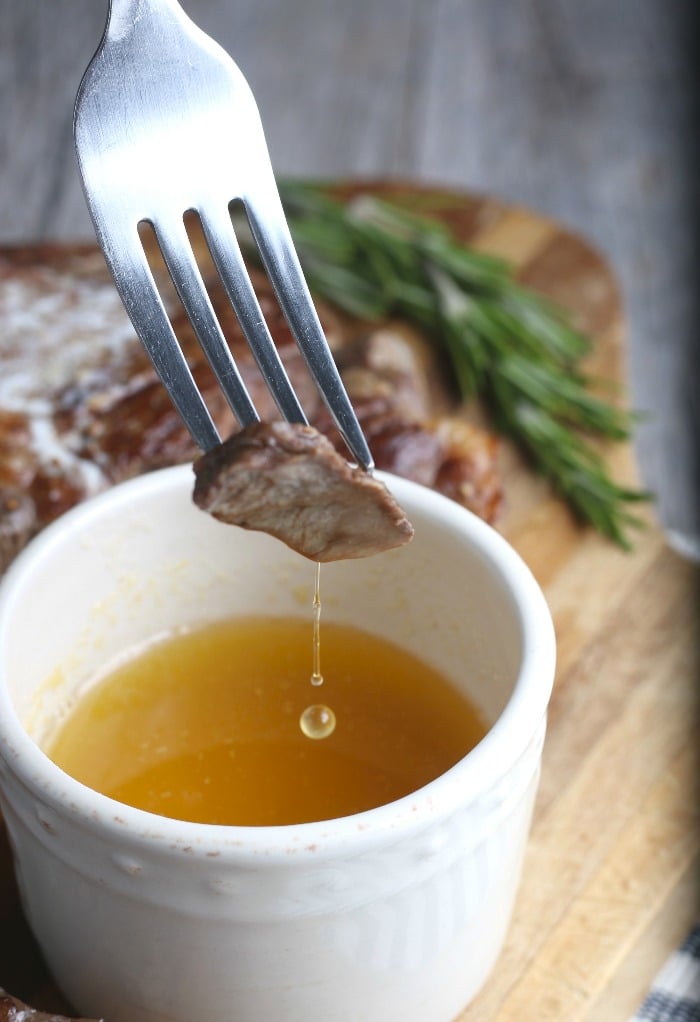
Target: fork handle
[124, 15]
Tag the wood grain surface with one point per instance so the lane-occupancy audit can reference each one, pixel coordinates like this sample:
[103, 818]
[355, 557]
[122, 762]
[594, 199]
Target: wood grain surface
[610, 884]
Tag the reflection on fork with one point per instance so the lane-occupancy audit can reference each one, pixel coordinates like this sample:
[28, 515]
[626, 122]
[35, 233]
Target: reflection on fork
[165, 125]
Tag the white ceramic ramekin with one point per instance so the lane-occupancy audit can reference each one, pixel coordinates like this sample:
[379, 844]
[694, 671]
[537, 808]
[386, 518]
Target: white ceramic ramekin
[396, 913]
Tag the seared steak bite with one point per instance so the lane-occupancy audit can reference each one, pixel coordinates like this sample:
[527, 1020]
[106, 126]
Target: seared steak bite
[288, 480]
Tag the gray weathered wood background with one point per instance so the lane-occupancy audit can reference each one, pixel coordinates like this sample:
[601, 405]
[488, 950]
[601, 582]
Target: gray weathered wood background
[583, 109]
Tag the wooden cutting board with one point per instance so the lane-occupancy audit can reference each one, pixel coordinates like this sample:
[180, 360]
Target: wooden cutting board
[610, 880]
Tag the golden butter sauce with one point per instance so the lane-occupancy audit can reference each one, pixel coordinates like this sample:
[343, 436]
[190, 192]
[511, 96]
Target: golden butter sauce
[204, 725]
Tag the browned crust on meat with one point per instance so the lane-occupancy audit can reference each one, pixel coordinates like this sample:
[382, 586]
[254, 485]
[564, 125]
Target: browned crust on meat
[81, 407]
[14, 1010]
[468, 470]
[386, 374]
[288, 480]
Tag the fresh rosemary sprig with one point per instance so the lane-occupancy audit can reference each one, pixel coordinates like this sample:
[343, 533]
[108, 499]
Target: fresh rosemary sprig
[506, 344]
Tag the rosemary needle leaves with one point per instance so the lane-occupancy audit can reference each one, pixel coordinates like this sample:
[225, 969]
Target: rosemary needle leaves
[506, 344]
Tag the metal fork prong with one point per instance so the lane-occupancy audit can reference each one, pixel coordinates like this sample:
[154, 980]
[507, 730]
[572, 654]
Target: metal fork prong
[221, 239]
[164, 123]
[134, 282]
[281, 262]
[182, 266]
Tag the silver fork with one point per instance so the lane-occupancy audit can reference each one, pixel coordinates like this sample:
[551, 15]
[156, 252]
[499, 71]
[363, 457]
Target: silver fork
[165, 124]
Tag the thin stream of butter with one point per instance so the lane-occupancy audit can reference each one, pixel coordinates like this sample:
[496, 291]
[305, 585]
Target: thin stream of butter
[316, 676]
[317, 721]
